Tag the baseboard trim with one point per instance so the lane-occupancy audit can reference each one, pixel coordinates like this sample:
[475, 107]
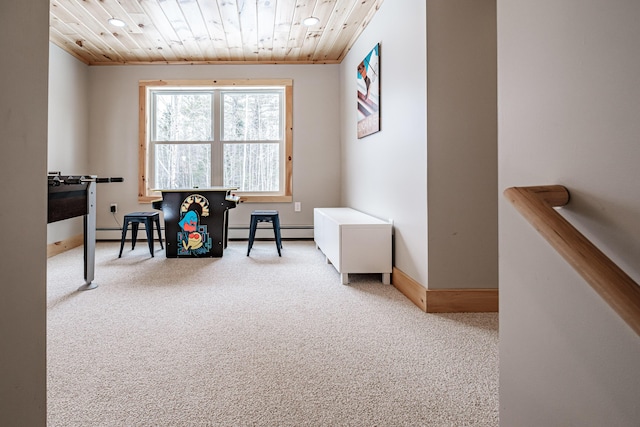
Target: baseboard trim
[57, 248]
[462, 300]
[445, 300]
[409, 288]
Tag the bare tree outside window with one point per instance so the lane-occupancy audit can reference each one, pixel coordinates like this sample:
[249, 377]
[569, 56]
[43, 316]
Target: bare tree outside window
[182, 118]
[252, 167]
[255, 117]
[183, 166]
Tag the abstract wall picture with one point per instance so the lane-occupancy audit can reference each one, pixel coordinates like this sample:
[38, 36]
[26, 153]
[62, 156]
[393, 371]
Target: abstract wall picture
[369, 93]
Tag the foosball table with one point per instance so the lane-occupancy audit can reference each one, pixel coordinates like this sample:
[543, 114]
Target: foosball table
[72, 196]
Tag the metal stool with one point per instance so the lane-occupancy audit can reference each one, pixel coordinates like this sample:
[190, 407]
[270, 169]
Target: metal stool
[148, 219]
[265, 216]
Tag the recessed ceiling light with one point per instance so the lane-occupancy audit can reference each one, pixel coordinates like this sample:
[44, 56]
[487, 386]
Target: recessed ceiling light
[117, 22]
[312, 20]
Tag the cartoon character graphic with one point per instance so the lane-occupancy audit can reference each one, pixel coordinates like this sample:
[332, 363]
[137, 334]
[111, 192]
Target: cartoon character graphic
[193, 239]
[189, 224]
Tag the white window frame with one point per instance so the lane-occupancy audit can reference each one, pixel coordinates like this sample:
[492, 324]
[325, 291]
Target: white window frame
[146, 194]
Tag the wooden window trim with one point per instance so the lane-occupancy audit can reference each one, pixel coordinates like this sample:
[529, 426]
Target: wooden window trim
[147, 196]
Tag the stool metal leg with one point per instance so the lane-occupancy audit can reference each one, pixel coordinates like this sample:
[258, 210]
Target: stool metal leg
[148, 225]
[276, 232]
[252, 233]
[159, 232]
[134, 234]
[124, 235]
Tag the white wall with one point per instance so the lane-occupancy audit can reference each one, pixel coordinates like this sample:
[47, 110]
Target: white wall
[23, 134]
[68, 148]
[113, 130]
[569, 113]
[384, 174]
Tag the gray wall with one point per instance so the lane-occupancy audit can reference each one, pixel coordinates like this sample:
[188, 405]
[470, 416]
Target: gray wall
[462, 167]
[68, 148]
[385, 174]
[569, 113]
[435, 178]
[113, 130]
[23, 135]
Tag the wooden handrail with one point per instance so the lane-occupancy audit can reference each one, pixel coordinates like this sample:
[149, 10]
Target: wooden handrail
[619, 290]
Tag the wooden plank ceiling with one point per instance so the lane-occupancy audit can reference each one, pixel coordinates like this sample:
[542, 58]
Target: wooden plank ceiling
[208, 31]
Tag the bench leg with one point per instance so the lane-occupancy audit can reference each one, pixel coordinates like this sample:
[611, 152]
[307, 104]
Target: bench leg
[345, 278]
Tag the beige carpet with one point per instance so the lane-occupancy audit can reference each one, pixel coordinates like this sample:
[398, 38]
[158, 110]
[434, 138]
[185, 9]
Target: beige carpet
[257, 341]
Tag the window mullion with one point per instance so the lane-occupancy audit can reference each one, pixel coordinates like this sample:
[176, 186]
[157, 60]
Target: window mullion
[217, 150]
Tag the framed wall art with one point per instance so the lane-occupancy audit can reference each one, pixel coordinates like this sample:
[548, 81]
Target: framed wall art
[369, 93]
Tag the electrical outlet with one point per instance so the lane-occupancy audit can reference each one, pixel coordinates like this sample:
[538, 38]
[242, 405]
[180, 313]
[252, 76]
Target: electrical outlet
[113, 208]
[297, 207]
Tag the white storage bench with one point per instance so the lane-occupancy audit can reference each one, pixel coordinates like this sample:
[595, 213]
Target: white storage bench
[353, 242]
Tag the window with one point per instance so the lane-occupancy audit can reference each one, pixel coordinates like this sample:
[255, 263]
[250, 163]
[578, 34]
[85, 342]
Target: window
[235, 134]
